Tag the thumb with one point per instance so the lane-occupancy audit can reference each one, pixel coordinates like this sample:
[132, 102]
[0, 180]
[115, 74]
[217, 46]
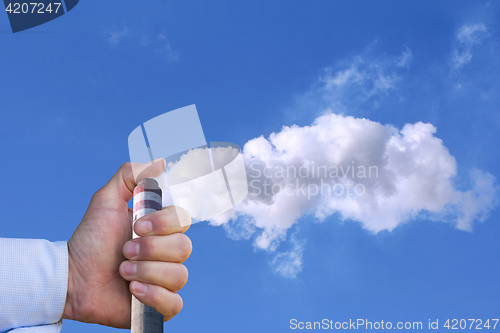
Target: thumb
[123, 182]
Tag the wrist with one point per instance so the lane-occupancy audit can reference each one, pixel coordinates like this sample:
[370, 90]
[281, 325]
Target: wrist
[71, 298]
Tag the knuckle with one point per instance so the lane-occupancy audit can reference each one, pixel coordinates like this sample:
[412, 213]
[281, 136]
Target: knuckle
[126, 165]
[184, 219]
[145, 273]
[178, 277]
[182, 276]
[178, 217]
[155, 296]
[162, 225]
[149, 247]
[176, 305]
[171, 217]
[97, 196]
[184, 246]
[126, 168]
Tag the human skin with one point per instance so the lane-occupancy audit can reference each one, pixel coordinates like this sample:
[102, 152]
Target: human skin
[106, 266]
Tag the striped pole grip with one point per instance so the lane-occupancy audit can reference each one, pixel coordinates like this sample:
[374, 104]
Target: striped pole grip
[147, 199]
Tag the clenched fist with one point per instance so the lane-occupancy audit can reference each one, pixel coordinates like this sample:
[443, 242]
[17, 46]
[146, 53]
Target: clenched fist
[106, 266]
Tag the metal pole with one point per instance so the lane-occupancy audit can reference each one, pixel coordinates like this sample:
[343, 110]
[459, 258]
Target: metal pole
[147, 199]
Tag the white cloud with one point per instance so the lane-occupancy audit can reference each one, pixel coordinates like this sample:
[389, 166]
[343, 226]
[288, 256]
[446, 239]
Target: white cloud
[165, 50]
[405, 58]
[289, 263]
[360, 170]
[467, 36]
[471, 34]
[373, 78]
[477, 202]
[115, 37]
[367, 172]
[363, 82]
[158, 43]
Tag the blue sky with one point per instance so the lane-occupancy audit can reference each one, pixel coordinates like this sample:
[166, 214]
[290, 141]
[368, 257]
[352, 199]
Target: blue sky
[73, 89]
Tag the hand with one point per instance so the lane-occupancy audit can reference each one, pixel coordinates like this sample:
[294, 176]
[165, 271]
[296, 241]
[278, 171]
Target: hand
[98, 285]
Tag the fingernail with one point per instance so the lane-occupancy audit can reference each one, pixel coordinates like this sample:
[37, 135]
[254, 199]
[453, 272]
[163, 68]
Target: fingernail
[131, 249]
[143, 227]
[129, 268]
[138, 288]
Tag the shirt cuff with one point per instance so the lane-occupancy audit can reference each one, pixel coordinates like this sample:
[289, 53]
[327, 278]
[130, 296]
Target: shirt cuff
[33, 284]
[52, 328]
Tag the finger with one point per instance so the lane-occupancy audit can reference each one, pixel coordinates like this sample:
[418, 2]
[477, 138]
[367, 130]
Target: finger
[164, 301]
[172, 248]
[171, 276]
[125, 179]
[167, 221]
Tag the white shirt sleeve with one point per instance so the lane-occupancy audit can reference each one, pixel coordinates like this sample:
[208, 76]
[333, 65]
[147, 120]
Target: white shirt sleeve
[33, 285]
